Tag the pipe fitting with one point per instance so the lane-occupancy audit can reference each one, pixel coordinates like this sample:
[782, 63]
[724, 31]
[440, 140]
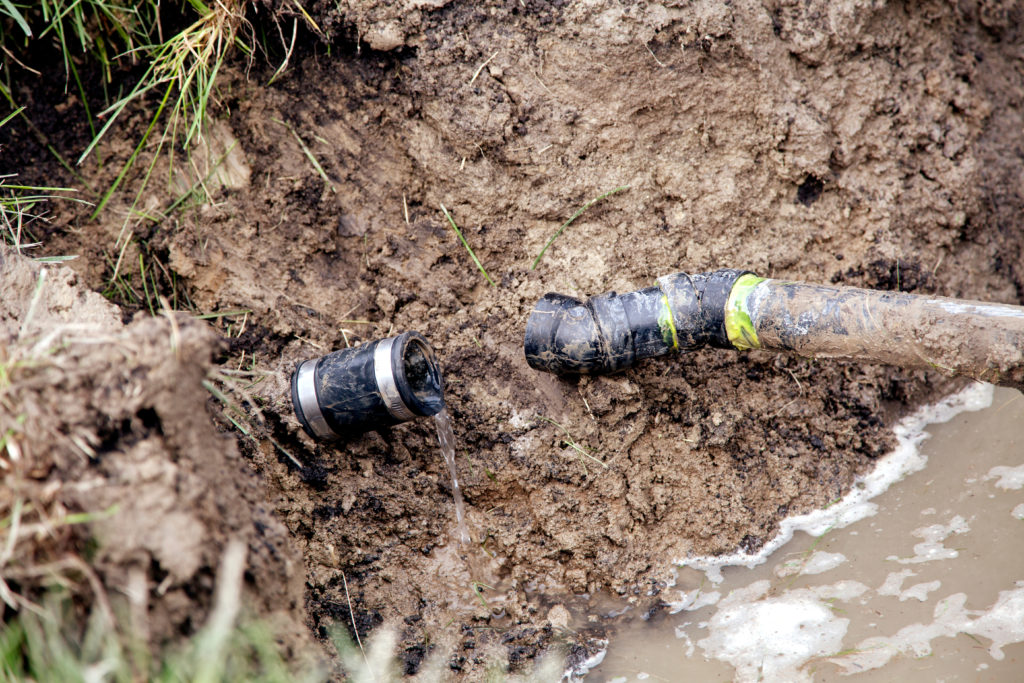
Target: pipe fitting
[609, 332]
[382, 383]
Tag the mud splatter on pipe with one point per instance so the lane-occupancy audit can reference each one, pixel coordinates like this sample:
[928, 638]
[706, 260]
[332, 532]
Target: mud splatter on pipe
[377, 384]
[738, 310]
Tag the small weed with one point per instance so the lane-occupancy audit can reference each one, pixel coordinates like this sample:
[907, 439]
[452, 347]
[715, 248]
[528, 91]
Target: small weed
[477, 588]
[147, 286]
[582, 451]
[466, 245]
[576, 215]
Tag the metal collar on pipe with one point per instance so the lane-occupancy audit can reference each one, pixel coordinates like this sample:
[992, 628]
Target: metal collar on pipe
[308, 403]
[384, 373]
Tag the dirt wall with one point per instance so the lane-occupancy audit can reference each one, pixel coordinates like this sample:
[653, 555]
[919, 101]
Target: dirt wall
[104, 423]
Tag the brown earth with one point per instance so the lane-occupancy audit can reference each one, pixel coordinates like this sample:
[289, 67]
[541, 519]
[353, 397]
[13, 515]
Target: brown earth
[863, 142]
[101, 417]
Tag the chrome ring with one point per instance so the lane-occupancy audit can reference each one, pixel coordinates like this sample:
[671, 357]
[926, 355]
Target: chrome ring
[385, 376]
[305, 388]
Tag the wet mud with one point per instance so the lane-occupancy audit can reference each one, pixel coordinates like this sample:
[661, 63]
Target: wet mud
[908, 578]
[859, 143]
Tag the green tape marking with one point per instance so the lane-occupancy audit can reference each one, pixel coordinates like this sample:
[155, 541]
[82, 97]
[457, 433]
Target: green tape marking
[667, 325]
[737, 318]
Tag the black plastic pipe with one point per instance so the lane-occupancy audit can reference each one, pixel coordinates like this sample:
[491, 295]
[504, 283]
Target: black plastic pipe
[612, 332]
[738, 310]
[381, 383]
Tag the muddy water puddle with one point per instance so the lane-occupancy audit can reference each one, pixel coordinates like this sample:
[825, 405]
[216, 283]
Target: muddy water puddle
[917, 575]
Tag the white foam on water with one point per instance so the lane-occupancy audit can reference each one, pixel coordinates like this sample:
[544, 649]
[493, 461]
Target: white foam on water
[893, 583]
[1009, 477]
[821, 562]
[1018, 512]
[932, 548]
[920, 591]
[817, 562]
[682, 635]
[693, 600]
[771, 638]
[893, 586]
[905, 459]
[1002, 623]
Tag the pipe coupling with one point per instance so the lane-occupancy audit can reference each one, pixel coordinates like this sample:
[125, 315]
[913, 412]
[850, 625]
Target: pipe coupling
[382, 383]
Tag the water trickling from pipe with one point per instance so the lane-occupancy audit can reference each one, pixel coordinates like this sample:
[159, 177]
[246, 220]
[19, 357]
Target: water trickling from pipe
[447, 440]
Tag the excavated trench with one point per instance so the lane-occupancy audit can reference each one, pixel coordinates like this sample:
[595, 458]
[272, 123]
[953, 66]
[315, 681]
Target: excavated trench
[863, 143]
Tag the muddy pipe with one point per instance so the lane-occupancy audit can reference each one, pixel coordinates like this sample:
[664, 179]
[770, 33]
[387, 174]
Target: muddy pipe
[735, 309]
[381, 383]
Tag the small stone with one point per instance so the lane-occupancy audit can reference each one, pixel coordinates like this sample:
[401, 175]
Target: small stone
[559, 616]
[385, 37]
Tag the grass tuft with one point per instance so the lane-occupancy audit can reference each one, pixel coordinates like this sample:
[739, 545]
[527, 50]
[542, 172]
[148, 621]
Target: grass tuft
[181, 68]
[53, 642]
[21, 207]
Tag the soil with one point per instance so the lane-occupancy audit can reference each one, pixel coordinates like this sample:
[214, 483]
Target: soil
[101, 417]
[857, 142]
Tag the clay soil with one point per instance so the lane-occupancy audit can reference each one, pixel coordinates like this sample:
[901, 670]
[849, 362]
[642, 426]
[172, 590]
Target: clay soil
[869, 143]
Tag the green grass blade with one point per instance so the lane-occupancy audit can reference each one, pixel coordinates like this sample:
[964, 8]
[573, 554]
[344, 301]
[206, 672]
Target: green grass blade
[466, 245]
[36, 188]
[11, 116]
[85, 104]
[131, 160]
[113, 111]
[7, 7]
[576, 215]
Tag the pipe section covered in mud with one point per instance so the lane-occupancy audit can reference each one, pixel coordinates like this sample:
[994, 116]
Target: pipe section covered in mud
[738, 310]
[377, 384]
[609, 332]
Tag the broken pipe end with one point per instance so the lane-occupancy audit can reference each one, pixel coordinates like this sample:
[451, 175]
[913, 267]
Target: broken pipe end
[380, 383]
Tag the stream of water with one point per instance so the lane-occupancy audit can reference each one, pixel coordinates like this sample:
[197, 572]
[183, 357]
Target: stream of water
[446, 437]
